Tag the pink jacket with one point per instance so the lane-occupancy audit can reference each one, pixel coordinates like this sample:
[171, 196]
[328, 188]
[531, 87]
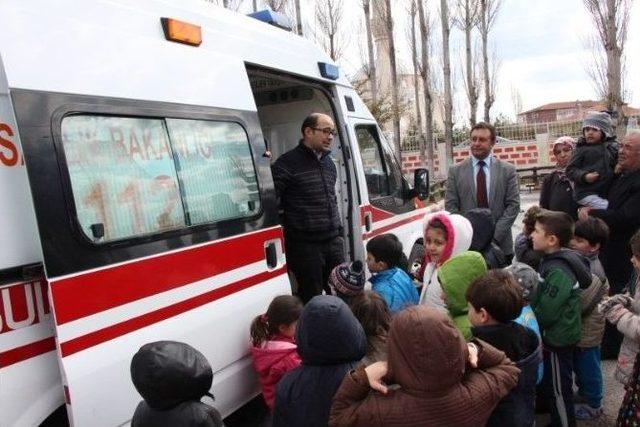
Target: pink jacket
[272, 360]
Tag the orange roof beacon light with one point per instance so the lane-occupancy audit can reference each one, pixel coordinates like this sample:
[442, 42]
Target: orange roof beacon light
[181, 32]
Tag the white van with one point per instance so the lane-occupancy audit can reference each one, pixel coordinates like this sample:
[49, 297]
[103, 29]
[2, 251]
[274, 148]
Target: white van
[136, 197]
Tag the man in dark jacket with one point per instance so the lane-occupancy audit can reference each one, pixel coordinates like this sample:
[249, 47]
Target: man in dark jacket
[623, 218]
[331, 342]
[495, 301]
[172, 377]
[305, 180]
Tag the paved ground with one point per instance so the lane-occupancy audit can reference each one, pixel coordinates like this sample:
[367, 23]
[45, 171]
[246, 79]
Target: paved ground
[614, 392]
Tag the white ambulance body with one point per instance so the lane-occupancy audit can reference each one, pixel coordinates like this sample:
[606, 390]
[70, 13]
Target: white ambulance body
[136, 197]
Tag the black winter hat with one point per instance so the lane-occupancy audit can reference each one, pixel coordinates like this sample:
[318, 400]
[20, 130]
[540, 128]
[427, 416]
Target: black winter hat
[167, 373]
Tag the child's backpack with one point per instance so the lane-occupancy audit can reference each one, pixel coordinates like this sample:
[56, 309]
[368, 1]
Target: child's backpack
[172, 377]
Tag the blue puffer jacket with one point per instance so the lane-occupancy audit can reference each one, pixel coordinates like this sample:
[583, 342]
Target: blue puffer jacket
[396, 288]
[330, 342]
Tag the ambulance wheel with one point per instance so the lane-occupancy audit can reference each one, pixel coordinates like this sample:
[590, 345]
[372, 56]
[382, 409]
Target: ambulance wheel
[416, 255]
[58, 418]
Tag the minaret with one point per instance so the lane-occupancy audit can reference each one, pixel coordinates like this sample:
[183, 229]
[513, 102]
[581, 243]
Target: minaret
[381, 40]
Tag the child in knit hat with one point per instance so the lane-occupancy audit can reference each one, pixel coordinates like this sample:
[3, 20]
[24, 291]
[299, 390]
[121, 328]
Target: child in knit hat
[528, 279]
[392, 283]
[593, 161]
[455, 276]
[347, 280]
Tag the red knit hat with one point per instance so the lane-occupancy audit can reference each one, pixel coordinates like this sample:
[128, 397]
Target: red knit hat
[347, 279]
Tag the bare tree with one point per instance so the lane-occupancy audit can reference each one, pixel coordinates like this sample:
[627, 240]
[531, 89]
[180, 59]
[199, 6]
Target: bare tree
[373, 77]
[445, 24]
[255, 5]
[488, 13]
[276, 5]
[413, 10]
[425, 72]
[467, 13]
[329, 17]
[388, 21]
[611, 20]
[227, 4]
[298, 18]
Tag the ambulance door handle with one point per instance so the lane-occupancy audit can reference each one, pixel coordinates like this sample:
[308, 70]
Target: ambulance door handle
[271, 255]
[367, 221]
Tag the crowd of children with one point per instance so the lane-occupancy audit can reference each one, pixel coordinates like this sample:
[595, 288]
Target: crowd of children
[505, 341]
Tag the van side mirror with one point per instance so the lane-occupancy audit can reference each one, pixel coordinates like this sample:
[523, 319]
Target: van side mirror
[421, 183]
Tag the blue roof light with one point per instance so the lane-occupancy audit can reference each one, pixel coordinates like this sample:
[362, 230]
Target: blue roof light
[274, 18]
[329, 71]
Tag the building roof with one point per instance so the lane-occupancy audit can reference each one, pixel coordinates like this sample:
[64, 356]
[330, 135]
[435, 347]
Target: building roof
[585, 105]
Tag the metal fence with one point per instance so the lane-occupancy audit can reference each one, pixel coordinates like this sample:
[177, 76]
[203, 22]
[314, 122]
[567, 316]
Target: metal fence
[521, 132]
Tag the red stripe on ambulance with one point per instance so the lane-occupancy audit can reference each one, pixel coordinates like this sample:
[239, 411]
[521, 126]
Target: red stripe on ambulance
[96, 291]
[391, 226]
[18, 354]
[100, 336]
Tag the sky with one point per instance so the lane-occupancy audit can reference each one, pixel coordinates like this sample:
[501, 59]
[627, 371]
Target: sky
[541, 47]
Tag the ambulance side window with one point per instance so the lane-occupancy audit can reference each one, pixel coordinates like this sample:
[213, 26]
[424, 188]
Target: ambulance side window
[122, 175]
[377, 163]
[138, 176]
[215, 168]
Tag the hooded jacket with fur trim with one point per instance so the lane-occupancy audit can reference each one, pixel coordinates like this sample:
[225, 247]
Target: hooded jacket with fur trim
[459, 235]
[436, 385]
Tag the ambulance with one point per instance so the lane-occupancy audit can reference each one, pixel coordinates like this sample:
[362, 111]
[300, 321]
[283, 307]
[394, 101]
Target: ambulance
[136, 197]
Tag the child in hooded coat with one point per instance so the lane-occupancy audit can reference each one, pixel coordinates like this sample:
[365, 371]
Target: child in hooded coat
[445, 235]
[172, 377]
[483, 229]
[455, 277]
[438, 383]
[495, 301]
[331, 342]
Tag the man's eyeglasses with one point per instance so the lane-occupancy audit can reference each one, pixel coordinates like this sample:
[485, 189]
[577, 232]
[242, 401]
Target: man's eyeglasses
[563, 150]
[327, 131]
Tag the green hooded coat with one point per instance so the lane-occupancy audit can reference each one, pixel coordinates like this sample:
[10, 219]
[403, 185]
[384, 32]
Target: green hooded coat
[455, 276]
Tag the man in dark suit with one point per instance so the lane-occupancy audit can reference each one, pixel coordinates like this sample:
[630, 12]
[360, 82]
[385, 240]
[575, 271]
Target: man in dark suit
[483, 181]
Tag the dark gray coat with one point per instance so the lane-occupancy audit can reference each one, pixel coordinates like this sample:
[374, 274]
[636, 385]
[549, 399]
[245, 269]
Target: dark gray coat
[586, 158]
[330, 342]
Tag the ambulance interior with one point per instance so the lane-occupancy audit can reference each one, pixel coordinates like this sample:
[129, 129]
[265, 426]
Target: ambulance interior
[283, 103]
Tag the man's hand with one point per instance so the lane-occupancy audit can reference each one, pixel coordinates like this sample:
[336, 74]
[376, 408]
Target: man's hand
[473, 354]
[591, 177]
[375, 372]
[583, 213]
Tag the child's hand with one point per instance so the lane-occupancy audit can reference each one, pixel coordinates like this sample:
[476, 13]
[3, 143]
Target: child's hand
[591, 177]
[375, 372]
[622, 299]
[473, 354]
[616, 312]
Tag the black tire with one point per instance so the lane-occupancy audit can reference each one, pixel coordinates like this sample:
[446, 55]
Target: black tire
[417, 254]
[58, 418]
